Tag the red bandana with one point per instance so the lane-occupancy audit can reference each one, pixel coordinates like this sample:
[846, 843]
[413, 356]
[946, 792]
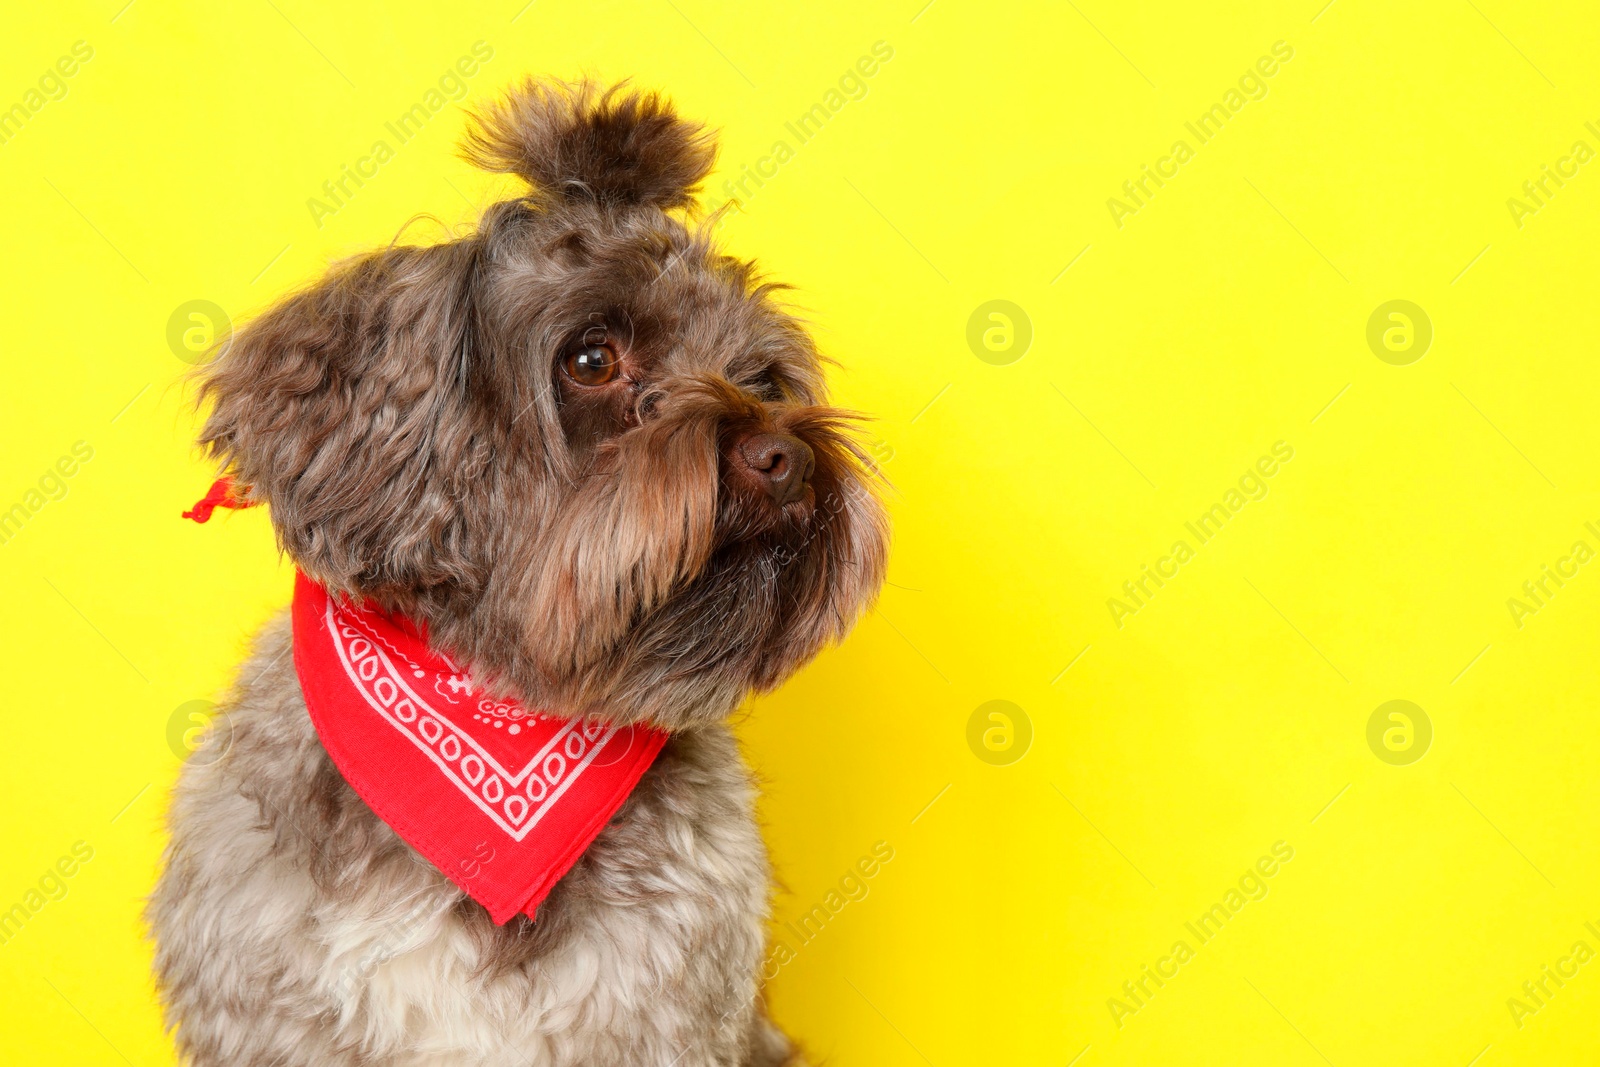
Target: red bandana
[503, 800]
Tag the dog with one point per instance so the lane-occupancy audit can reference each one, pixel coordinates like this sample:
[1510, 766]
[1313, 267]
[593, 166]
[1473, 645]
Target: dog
[591, 459]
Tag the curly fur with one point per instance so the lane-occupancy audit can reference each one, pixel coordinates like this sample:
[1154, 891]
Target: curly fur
[413, 425]
[574, 140]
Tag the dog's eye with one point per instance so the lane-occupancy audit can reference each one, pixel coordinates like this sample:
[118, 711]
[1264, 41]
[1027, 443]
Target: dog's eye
[592, 365]
[766, 387]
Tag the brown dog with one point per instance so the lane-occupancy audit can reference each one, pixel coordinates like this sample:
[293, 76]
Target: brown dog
[590, 455]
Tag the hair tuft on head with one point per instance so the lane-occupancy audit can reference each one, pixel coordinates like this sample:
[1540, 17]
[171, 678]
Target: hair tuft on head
[573, 140]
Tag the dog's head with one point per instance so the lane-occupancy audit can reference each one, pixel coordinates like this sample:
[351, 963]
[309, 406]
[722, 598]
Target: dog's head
[588, 451]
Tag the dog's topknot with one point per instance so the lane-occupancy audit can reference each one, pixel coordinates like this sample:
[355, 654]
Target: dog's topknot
[615, 146]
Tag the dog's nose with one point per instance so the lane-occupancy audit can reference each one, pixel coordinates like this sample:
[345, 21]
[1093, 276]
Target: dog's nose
[781, 461]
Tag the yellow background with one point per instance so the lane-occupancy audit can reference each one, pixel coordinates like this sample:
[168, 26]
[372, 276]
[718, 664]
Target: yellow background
[1229, 313]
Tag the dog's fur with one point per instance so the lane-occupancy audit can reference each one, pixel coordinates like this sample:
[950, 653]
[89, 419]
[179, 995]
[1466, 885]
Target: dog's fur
[414, 426]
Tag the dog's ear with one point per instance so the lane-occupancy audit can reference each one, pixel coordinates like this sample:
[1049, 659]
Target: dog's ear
[616, 147]
[342, 408]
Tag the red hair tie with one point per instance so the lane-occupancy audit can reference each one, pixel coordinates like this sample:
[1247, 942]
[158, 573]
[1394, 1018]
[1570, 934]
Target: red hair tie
[220, 495]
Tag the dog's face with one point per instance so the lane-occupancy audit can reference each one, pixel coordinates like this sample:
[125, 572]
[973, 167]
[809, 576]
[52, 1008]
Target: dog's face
[589, 452]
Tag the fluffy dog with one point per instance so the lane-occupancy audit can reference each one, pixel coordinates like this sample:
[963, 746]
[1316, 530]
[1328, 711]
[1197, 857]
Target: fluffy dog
[593, 457]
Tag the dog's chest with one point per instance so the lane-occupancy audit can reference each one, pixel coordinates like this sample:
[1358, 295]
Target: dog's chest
[615, 964]
[295, 927]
